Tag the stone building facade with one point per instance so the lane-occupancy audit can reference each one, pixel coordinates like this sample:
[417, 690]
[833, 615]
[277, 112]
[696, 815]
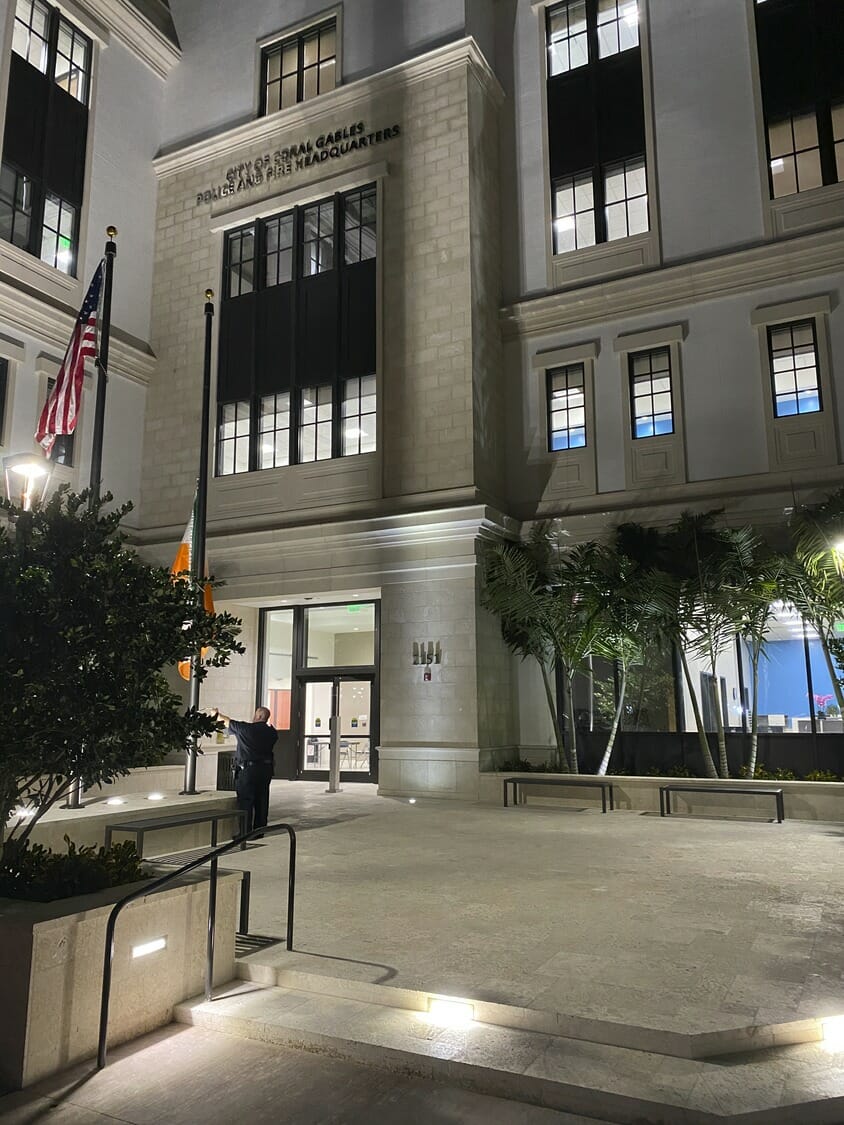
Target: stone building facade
[583, 247]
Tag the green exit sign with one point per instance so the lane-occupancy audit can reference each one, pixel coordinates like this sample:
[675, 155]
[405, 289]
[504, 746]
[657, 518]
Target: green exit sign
[356, 609]
[838, 627]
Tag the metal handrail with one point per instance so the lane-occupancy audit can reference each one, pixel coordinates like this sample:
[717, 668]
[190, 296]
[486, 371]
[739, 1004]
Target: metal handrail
[161, 882]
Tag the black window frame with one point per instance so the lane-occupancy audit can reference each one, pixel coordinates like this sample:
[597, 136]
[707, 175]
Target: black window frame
[42, 159]
[598, 143]
[566, 369]
[298, 39]
[264, 278]
[814, 91]
[632, 376]
[791, 325]
[4, 396]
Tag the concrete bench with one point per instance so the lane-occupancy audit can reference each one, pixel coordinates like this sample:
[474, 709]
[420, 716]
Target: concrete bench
[579, 782]
[665, 792]
[139, 828]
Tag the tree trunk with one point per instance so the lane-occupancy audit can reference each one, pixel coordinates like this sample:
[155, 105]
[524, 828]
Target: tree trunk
[708, 764]
[560, 756]
[573, 764]
[715, 687]
[605, 761]
[833, 675]
[754, 713]
[590, 687]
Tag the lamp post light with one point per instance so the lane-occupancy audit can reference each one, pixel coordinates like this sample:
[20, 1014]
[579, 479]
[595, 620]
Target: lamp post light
[27, 478]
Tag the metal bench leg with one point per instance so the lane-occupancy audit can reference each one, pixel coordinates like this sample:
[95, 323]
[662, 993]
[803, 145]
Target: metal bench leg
[612, 800]
[603, 800]
[214, 824]
[245, 895]
[780, 808]
[141, 844]
[506, 783]
[662, 802]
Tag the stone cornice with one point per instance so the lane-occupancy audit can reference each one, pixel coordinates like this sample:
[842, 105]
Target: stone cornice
[740, 271]
[52, 323]
[131, 28]
[453, 56]
[400, 530]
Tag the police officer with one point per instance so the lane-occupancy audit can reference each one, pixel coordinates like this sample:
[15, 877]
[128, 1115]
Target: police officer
[254, 765]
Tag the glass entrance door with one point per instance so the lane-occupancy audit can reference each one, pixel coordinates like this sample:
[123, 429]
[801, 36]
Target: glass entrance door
[342, 703]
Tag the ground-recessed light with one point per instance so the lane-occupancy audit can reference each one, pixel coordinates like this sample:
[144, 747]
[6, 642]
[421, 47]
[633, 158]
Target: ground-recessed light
[155, 797]
[832, 1030]
[411, 800]
[450, 1013]
[116, 801]
[149, 947]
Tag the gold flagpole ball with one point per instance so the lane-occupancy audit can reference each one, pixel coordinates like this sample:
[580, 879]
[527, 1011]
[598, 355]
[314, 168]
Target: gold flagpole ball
[209, 294]
[111, 232]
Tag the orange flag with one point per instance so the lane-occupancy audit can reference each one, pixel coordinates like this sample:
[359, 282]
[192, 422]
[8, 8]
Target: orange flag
[183, 563]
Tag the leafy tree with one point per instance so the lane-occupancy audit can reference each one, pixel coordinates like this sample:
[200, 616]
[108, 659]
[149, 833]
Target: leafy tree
[87, 629]
[817, 590]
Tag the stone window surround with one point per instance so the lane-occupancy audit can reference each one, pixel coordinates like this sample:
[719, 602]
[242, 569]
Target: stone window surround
[790, 214]
[335, 12]
[582, 460]
[14, 354]
[19, 263]
[46, 368]
[641, 455]
[821, 423]
[623, 255]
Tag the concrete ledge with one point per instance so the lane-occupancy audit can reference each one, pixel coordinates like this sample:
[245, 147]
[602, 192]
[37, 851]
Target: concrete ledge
[428, 771]
[87, 825]
[51, 964]
[804, 800]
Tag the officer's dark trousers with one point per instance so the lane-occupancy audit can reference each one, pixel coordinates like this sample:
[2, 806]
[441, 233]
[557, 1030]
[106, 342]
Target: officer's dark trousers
[253, 793]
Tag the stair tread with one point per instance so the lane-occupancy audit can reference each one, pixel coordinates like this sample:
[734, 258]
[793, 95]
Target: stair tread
[522, 1064]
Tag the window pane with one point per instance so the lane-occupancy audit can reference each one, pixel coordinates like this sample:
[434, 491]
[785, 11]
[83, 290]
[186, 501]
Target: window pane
[809, 170]
[277, 666]
[233, 430]
[794, 369]
[567, 40]
[340, 636]
[650, 393]
[566, 407]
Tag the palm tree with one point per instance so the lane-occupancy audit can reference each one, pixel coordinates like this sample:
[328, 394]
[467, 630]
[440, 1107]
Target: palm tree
[817, 535]
[516, 589]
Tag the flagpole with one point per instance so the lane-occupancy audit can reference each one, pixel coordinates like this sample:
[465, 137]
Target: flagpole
[102, 367]
[198, 539]
[74, 796]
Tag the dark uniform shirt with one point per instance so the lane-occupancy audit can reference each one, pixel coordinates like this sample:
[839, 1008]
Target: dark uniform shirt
[255, 741]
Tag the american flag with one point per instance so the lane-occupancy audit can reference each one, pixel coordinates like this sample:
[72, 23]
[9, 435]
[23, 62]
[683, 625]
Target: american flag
[62, 405]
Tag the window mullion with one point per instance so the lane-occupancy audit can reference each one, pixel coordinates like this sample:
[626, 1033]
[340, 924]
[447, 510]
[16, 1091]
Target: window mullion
[826, 143]
[600, 204]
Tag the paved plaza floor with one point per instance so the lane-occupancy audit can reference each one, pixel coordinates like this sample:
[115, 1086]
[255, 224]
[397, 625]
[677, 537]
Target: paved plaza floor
[686, 925]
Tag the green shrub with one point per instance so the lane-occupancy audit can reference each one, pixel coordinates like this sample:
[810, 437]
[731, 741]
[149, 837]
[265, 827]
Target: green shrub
[37, 874]
[821, 775]
[762, 774]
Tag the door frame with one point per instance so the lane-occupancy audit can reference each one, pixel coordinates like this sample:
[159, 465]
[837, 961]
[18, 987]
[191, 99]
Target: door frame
[300, 674]
[336, 678]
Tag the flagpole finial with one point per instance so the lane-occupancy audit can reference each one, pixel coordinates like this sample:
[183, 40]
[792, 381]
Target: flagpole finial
[209, 294]
[111, 232]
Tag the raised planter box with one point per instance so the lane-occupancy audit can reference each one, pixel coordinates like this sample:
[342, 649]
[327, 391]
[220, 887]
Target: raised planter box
[51, 966]
[804, 800]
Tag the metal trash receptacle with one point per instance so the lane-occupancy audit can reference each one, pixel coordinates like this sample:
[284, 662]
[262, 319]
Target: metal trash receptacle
[225, 772]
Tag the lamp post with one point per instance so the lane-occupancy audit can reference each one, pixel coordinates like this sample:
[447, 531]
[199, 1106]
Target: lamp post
[27, 478]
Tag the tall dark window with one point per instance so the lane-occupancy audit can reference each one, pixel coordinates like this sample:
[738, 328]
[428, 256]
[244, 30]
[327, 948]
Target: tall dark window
[793, 354]
[801, 45]
[4, 394]
[299, 68]
[651, 403]
[62, 451]
[296, 378]
[43, 166]
[567, 407]
[596, 123]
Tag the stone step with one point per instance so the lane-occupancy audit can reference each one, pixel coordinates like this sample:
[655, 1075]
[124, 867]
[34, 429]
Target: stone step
[716, 1040]
[793, 1086]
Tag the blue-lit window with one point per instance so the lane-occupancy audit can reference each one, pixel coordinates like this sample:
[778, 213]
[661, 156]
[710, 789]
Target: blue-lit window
[567, 407]
[650, 393]
[793, 350]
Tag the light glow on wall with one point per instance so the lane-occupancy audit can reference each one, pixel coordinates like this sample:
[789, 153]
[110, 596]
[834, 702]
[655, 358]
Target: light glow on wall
[148, 947]
[155, 797]
[832, 1030]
